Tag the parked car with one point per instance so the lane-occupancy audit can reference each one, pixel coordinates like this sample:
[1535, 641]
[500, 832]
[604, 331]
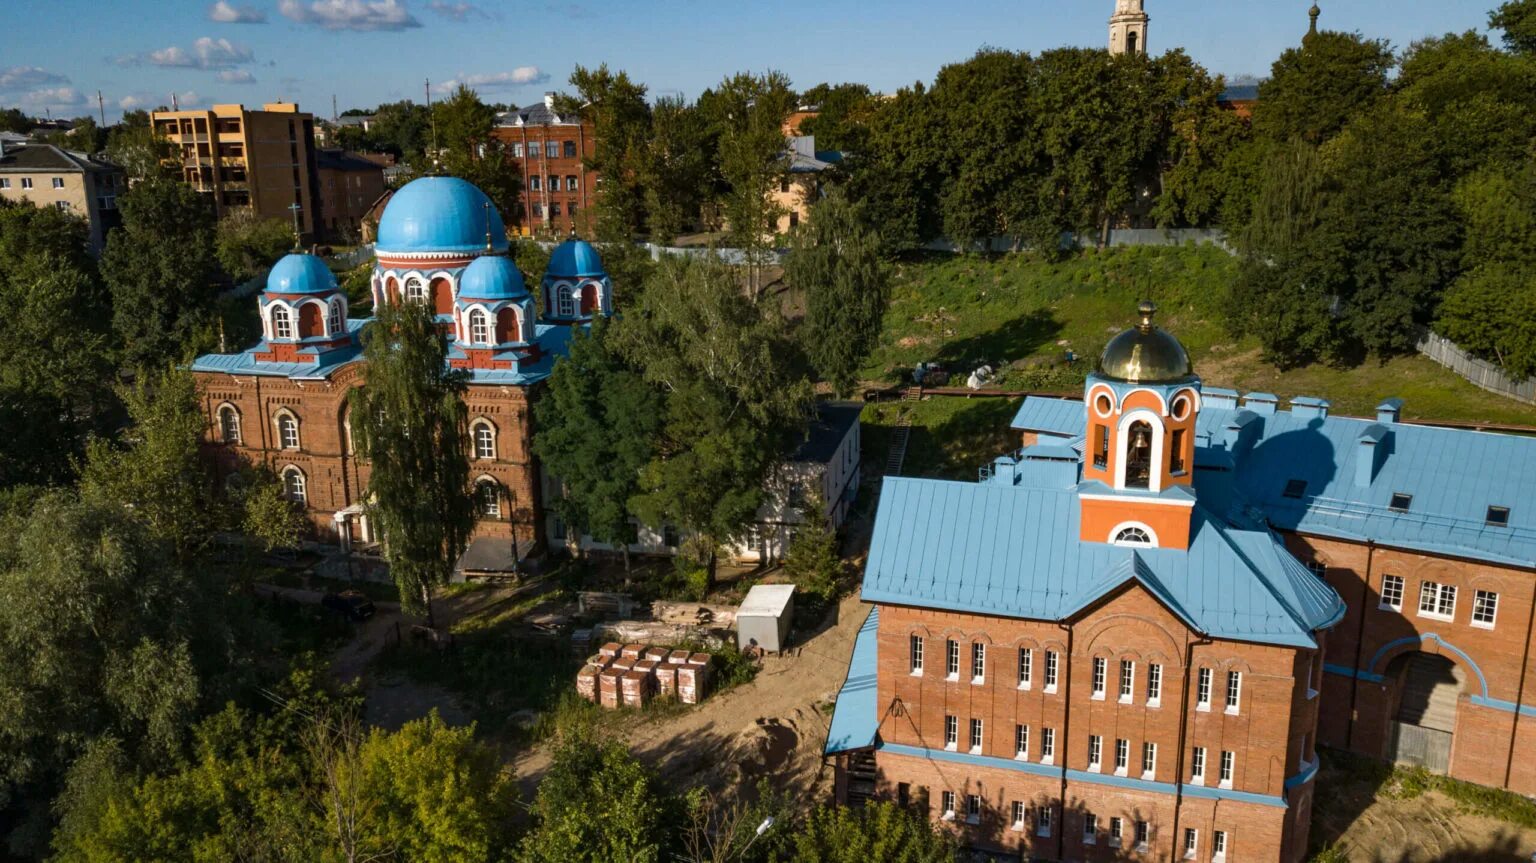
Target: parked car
[351, 604]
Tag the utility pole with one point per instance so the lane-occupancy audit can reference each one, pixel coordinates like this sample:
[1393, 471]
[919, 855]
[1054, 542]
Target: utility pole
[101, 108]
[334, 115]
[431, 115]
[297, 245]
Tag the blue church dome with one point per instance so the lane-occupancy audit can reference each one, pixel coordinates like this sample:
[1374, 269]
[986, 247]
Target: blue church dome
[492, 277]
[440, 214]
[300, 274]
[575, 259]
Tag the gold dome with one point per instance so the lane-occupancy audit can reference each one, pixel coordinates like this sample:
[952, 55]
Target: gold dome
[1145, 354]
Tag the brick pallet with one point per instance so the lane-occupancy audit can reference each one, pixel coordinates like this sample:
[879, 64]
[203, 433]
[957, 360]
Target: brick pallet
[631, 675]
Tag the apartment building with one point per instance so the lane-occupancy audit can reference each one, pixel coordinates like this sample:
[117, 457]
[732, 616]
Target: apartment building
[264, 160]
[77, 183]
[550, 149]
[350, 183]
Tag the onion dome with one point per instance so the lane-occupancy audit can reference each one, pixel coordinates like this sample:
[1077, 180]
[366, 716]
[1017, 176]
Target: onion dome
[1145, 354]
[301, 274]
[575, 259]
[493, 278]
[441, 214]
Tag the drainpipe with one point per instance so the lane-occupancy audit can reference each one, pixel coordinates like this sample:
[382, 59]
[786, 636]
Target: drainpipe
[1525, 657]
[1354, 677]
[1178, 772]
[1066, 745]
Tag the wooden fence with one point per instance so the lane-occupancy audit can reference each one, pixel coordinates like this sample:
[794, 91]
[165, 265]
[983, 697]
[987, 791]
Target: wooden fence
[1480, 372]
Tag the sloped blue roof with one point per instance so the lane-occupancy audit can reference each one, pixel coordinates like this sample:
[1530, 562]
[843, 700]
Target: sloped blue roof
[1061, 417]
[440, 214]
[575, 259]
[300, 274]
[856, 716]
[1014, 551]
[492, 277]
[245, 362]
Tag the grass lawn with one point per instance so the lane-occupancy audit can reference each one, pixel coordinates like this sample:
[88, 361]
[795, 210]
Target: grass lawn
[950, 438]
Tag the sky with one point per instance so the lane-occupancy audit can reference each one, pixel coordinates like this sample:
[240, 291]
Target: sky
[59, 53]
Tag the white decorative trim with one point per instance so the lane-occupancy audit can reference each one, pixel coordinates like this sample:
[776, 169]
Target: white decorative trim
[303, 483]
[277, 428]
[1155, 501]
[1194, 403]
[218, 413]
[1155, 480]
[1139, 525]
[1093, 398]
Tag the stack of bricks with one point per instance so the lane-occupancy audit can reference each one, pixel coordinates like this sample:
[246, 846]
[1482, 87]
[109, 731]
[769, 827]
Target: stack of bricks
[630, 675]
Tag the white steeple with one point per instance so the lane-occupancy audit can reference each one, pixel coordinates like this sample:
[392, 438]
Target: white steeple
[1128, 27]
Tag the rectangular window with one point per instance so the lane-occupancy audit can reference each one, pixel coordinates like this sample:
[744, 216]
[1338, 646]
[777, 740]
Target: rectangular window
[917, 654]
[552, 149]
[1191, 842]
[534, 183]
[1018, 814]
[948, 802]
[1148, 759]
[26, 182]
[1047, 745]
[1227, 758]
[1021, 742]
[58, 182]
[1154, 684]
[1043, 822]
[1099, 664]
[1116, 831]
[1197, 765]
[1127, 679]
[1203, 690]
[5, 183]
[517, 150]
[1090, 828]
[1219, 845]
[1485, 606]
[1026, 666]
[1498, 516]
[951, 733]
[952, 659]
[1095, 751]
[554, 209]
[1295, 488]
[1122, 756]
[1400, 502]
[1318, 568]
[903, 794]
[1437, 600]
[1392, 592]
[1050, 671]
[1176, 452]
[1143, 834]
[1100, 446]
[978, 662]
[62, 206]
[571, 184]
[570, 149]
[973, 808]
[976, 736]
[1234, 690]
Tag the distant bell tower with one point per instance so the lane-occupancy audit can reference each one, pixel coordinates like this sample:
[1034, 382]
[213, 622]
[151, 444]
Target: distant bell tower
[1128, 27]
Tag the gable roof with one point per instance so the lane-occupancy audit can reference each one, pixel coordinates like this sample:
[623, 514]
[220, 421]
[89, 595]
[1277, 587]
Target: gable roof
[48, 158]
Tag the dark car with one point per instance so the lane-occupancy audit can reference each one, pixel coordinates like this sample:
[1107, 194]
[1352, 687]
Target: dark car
[351, 604]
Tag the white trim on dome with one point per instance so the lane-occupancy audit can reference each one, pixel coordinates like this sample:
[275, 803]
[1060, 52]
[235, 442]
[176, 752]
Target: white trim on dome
[1155, 477]
[430, 255]
[1114, 535]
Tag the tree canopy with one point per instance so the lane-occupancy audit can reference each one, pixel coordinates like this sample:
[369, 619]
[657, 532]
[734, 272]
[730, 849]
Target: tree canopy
[835, 264]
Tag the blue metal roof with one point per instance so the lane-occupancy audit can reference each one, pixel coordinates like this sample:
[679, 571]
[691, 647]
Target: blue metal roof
[1014, 551]
[855, 718]
[300, 274]
[440, 214]
[1060, 417]
[575, 259]
[492, 277]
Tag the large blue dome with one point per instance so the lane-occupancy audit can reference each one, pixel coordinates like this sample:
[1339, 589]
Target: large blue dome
[492, 277]
[300, 274]
[440, 214]
[575, 259]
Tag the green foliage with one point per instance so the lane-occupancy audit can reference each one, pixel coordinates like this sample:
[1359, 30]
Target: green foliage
[688, 581]
[133, 146]
[246, 245]
[266, 514]
[746, 116]
[835, 263]
[842, 112]
[877, 831]
[467, 148]
[676, 173]
[357, 284]
[732, 667]
[1517, 18]
[1313, 90]
[1481, 102]
[813, 561]
[14, 120]
[618, 111]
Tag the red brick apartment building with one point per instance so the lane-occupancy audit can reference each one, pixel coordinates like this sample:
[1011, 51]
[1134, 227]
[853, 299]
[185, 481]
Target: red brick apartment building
[550, 149]
[283, 402]
[1127, 638]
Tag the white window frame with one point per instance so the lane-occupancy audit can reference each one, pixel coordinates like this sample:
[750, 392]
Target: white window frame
[1047, 746]
[58, 182]
[333, 319]
[978, 662]
[1122, 756]
[1095, 753]
[1026, 667]
[227, 412]
[1019, 810]
[1203, 689]
[1100, 671]
[951, 659]
[282, 322]
[488, 498]
[1148, 759]
[565, 301]
[977, 736]
[1485, 608]
[1228, 768]
[1234, 692]
[973, 808]
[1127, 680]
[1218, 845]
[915, 655]
[1090, 828]
[295, 485]
[26, 182]
[416, 289]
[1197, 765]
[1052, 668]
[286, 421]
[482, 451]
[1191, 843]
[1116, 831]
[1043, 822]
[1435, 593]
[1020, 742]
[951, 732]
[1142, 835]
[947, 802]
[1154, 684]
[479, 327]
[1392, 585]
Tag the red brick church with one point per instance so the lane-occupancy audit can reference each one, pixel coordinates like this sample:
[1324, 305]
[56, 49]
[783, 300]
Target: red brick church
[283, 402]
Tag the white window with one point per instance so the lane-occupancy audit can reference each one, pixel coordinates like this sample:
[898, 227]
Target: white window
[333, 320]
[1116, 831]
[1219, 845]
[293, 485]
[976, 736]
[565, 297]
[534, 183]
[952, 659]
[1227, 758]
[416, 289]
[1090, 828]
[1018, 814]
[1026, 666]
[1485, 606]
[1392, 592]
[1043, 822]
[1122, 756]
[5, 183]
[916, 654]
[26, 182]
[61, 206]
[479, 328]
[1154, 684]
[229, 424]
[1047, 745]
[517, 150]
[1203, 690]
[1437, 600]
[287, 431]
[1143, 835]
[1191, 842]
[948, 802]
[1099, 664]
[1095, 751]
[1132, 536]
[1148, 759]
[58, 182]
[951, 733]
[1197, 765]
[488, 498]
[282, 323]
[1234, 690]
[978, 662]
[1050, 670]
[485, 440]
[1127, 679]
[1021, 742]
[973, 808]
[552, 149]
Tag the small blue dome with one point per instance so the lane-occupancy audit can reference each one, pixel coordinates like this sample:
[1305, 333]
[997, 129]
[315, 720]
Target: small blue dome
[300, 274]
[492, 277]
[575, 259]
[440, 214]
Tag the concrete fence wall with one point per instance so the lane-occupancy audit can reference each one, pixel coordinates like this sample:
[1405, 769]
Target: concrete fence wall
[1480, 372]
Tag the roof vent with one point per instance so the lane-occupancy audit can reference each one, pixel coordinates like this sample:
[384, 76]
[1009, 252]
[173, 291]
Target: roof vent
[1216, 397]
[1309, 407]
[1048, 466]
[1262, 404]
[549, 100]
[1371, 451]
[1389, 411]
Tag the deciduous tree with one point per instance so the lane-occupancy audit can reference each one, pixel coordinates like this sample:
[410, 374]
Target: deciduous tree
[835, 264]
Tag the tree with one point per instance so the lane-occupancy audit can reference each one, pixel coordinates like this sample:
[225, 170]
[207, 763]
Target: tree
[813, 561]
[134, 146]
[1517, 18]
[835, 263]
[401, 128]
[1489, 309]
[621, 122]
[878, 831]
[899, 177]
[246, 244]
[1481, 102]
[842, 110]
[1313, 90]
[1196, 142]
[411, 426]
[266, 513]
[676, 170]
[468, 149]
[162, 272]
[746, 113]
[597, 428]
[14, 120]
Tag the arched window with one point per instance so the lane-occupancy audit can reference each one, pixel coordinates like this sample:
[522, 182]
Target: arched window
[565, 304]
[333, 323]
[287, 430]
[479, 328]
[488, 498]
[588, 300]
[229, 424]
[485, 440]
[293, 484]
[416, 290]
[1132, 536]
[1138, 455]
[282, 323]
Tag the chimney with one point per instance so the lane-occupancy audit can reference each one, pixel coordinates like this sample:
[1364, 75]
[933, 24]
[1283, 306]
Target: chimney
[1048, 466]
[1262, 404]
[1370, 452]
[549, 100]
[1389, 411]
[1309, 407]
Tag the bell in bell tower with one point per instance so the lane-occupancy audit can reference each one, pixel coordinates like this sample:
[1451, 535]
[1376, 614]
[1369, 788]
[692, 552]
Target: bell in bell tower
[1128, 27]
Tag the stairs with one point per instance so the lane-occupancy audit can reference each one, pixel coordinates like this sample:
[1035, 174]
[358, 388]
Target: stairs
[901, 433]
[861, 777]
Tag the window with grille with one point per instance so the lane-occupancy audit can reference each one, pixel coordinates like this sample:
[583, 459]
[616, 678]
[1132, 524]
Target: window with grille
[1043, 822]
[1098, 676]
[565, 302]
[1133, 536]
[552, 149]
[1122, 755]
[1227, 760]
[288, 431]
[1234, 690]
[1148, 758]
[1485, 606]
[1203, 690]
[1191, 843]
[1437, 600]
[1318, 568]
[1100, 446]
[488, 496]
[916, 654]
[976, 736]
[1143, 834]
[416, 290]
[1048, 745]
[1018, 814]
[1095, 751]
[1090, 828]
[1219, 845]
[1127, 679]
[1050, 670]
[952, 659]
[973, 808]
[951, 732]
[978, 662]
[479, 328]
[485, 441]
[1197, 764]
[1392, 592]
[333, 322]
[282, 323]
[1154, 684]
[293, 485]
[948, 801]
[229, 424]
[1026, 666]
[1021, 742]
[1116, 831]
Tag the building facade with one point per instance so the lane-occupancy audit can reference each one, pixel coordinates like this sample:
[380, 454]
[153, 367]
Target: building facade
[76, 183]
[1095, 651]
[1128, 27]
[283, 402]
[350, 183]
[551, 150]
[264, 160]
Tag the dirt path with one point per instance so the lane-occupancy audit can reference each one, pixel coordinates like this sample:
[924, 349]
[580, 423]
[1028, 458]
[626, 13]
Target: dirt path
[771, 728]
[1430, 829]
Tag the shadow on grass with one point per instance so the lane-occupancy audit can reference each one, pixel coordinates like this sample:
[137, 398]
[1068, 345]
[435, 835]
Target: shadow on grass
[1020, 337]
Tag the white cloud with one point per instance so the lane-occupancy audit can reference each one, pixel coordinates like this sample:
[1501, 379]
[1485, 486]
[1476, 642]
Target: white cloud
[224, 13]
[53, 97]
[350, 14]
[22, 77]
[522, 76]
[129, 103]
[458, 11]
[207, 53]
[237, 76]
